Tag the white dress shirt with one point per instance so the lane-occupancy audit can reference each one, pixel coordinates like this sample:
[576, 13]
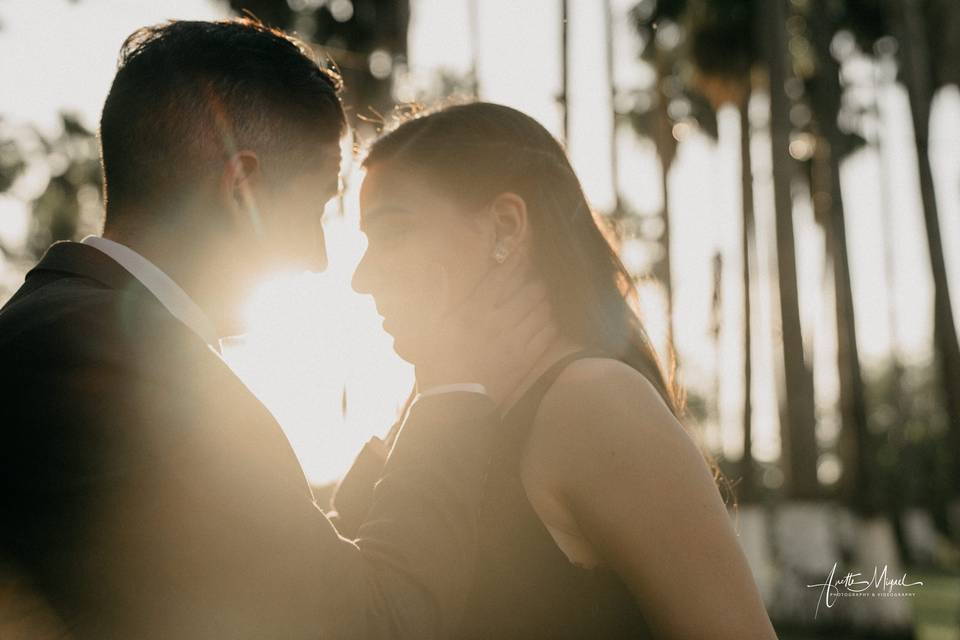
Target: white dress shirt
[162, 286]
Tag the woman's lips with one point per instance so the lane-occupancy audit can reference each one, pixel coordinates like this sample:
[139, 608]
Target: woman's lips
[391, 316]
[385, 322]
[384, 311]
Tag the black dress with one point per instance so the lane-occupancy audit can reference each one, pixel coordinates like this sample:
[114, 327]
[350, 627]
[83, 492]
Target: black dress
[525, 587]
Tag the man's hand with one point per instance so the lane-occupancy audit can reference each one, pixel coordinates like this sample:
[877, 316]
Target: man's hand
[495, 335]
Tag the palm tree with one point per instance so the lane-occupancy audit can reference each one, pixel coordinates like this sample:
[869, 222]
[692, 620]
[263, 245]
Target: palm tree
[667, 54]
[878, 141]
[832, 145]
[748, 253]
[563, 98]
[365, 39]
[725, 57]
[798, 441]
[729, 39]
[921, 76]
[666, 145]
[614, 128]
[724, 40]
[474, 17]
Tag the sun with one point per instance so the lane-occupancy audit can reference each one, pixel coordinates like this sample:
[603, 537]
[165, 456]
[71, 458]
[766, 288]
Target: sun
[316, 355]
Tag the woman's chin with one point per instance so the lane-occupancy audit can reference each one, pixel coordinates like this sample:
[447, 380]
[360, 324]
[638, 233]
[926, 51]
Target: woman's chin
[400, 345]
[406, 349]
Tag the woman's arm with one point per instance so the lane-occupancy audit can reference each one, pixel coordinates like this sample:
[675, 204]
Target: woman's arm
[643, 496]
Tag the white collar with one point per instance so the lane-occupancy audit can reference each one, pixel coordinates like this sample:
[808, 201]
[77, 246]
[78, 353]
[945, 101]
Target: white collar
[168, 292]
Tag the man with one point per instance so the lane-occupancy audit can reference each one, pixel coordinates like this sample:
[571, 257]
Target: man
[146, 493]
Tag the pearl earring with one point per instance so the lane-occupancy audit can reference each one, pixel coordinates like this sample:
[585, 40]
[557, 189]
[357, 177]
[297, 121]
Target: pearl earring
[500, 253]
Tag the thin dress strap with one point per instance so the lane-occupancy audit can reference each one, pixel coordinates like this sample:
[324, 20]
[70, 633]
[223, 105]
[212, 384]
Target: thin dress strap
[519, 419]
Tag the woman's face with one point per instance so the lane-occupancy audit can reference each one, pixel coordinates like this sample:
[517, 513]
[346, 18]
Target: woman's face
[425, 254]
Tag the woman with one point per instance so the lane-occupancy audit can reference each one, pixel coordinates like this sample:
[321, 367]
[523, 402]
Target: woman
[601, 517]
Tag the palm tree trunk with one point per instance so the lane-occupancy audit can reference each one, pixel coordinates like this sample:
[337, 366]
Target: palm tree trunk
[564, 98]
[826, 100]
[474, 12]
[716, 330]
[667, 151]
[748, 479]
[614, 125]
[889, 269]
[895, 498]
[798, 440]
[915, 72]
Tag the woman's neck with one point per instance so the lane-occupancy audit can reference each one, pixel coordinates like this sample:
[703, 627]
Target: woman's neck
[558, 349]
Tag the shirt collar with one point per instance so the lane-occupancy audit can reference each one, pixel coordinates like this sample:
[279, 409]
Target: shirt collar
[162, 286]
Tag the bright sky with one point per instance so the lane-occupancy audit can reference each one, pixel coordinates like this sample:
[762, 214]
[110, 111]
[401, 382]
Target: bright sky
[312, 337]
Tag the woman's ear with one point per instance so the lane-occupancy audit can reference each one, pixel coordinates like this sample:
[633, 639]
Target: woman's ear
[238, 190]
[510, 223]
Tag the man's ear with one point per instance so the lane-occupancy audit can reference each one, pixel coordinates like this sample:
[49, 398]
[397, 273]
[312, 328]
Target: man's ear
[510, 223]
[239, 186]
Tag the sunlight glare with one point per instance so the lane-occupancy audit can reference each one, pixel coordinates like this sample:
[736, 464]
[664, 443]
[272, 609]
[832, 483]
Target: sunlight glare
[316, 355]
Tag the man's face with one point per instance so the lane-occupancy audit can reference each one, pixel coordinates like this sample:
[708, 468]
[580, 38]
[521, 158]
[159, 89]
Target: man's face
[290, 212]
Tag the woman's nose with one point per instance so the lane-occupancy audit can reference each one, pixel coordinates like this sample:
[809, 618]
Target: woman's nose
[320, 251]
[361, 276]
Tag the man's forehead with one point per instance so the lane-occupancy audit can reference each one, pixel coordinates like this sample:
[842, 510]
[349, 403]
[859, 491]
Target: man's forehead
[324, 167]
[327, 156]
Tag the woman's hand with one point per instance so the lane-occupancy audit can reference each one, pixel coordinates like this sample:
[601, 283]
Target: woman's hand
[494, 336]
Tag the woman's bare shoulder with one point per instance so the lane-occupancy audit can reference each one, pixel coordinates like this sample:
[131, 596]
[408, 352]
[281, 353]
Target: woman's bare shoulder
[602, 416]
[602, 391]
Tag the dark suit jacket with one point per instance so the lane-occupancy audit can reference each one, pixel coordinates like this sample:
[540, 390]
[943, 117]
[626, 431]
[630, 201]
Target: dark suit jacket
[148, 494]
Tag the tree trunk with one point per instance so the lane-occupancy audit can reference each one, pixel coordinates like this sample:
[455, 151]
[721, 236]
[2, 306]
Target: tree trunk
[474, 12]
[894, 494]
[748, 478]
[797, 428]
[826, 101]
[614, 124]
[889, 269]
[564, 98]
[667, 151]
[915, 72]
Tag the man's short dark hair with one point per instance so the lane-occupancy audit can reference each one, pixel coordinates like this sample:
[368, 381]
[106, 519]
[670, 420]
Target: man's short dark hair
[187, 93]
